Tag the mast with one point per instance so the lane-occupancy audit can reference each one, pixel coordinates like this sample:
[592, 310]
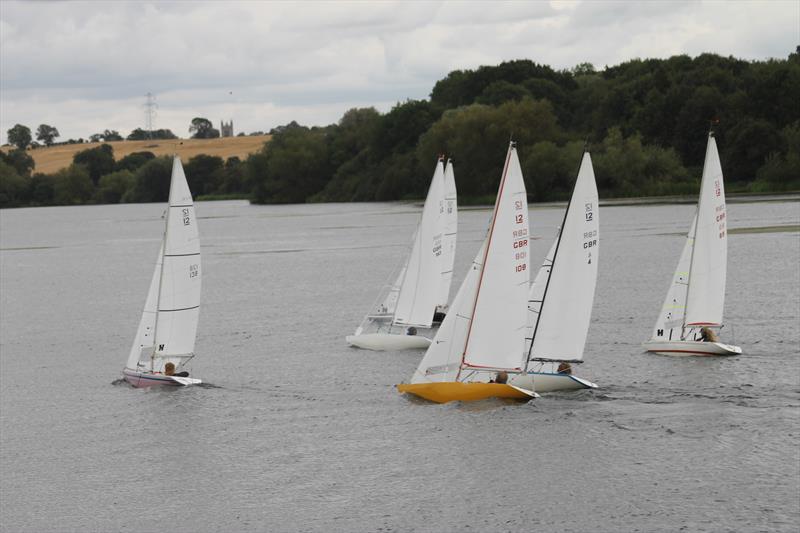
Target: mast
[161, 275]
[552, 265]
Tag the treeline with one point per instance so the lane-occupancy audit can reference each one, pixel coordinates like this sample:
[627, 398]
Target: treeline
[96, 177]
[645, 122]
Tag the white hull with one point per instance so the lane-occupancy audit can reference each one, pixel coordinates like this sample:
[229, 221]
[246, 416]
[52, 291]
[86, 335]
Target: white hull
[387, 341]
[691, 348]
[550, 382]
[147, 379]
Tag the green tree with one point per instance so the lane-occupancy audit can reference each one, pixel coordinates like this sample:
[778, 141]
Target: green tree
[234, 177]
[114, 186]
[152, 182]
[42, 189]
[477, 136]
[142, 135]
[203, 129]
[292, 167]
[205, 174]
[747, 145]
[22, 163]
[19, 136]
[46, 134]
[550, 170]
[13, 187]
[97, 161]
[501, 91]
[134, 160]
[73, 186]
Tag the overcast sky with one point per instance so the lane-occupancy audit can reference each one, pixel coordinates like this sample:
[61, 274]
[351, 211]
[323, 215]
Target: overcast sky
[84, 67]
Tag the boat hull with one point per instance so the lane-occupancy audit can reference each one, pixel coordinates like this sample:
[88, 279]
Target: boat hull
[551, 382]
[691, 348]
[147, 379]
[451, 391]
[387, 341]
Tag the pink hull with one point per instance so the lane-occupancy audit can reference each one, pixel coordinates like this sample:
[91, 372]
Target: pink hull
[141, 380]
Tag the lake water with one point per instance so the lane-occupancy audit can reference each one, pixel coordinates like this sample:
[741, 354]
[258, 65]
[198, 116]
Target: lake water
[296, 431]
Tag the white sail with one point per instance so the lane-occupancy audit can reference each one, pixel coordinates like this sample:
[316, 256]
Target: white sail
[670, 322]
[497, 334]
[390, 302]
[419, 292]
[143, 343]
[485, 326]
[442, 360]
[449, 221]
[179, 293]
[563, 321]
[536, 292]
[706, 294]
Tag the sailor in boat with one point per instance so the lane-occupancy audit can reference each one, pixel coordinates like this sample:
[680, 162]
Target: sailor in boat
[708, 335]
[411, 330]
[500, 377]
[169, 370]
[564, 368]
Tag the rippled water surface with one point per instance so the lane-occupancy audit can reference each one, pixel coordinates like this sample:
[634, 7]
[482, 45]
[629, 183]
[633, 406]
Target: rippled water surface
[298, 432]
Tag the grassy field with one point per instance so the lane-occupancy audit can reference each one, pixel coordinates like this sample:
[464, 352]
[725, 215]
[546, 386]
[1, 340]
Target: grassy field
[54, 158]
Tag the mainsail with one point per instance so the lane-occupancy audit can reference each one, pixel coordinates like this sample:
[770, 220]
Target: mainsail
[449, 224]
[565, 308]
[706, 294]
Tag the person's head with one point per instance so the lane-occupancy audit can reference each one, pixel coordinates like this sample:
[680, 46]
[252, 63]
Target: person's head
[411, 330]
[501, 377]
[169, 369]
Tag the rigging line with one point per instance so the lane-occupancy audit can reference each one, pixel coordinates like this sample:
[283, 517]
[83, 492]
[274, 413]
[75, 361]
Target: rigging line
[552, 265]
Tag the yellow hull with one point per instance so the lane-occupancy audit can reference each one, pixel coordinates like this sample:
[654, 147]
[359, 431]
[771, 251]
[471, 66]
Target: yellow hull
[450, 391]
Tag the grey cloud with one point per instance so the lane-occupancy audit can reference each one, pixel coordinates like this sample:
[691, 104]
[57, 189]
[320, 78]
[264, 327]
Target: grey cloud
[80, 65]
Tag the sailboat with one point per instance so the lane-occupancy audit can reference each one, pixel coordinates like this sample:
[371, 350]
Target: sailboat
[417, 300]
[560, 299]
[166, 335]
[483, 335]
[696, 298]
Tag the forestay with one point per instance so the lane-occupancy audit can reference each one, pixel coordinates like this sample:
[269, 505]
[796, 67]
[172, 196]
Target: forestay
[670, 322]
[706, 294]
[179, 293]
[419, 292]
[560, 331]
